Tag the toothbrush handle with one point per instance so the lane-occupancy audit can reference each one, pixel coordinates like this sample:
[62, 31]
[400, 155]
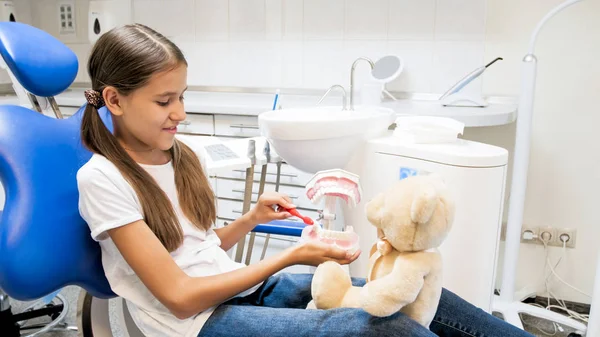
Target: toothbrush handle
[295, 213]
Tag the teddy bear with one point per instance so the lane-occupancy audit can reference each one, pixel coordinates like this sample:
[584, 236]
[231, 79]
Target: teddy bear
[412, 217]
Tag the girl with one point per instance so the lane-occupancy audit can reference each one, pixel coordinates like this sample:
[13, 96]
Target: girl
[148, 203]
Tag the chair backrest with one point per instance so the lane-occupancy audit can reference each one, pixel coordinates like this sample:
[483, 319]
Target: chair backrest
[42, 64]
[44, 243]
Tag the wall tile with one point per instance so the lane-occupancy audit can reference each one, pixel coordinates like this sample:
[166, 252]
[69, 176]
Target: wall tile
[23, 9]
[417, 58]
[149, 13]
[256, 63]
[177, 20]
[366, 19]
[293, 64]
[322, 66]
[411, 20]
[293, 18]
[211, 64]
[311, 43]
[247, 19]
[212, 20]
[460, 20]
[274, 19]
[323, 19]
[452, 61]
[82, 50]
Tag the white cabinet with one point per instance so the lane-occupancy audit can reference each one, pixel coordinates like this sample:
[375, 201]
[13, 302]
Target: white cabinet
[197, 124]
[236, 126]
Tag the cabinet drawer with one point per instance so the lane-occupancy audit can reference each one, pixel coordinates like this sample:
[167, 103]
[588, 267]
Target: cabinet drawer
[234, 189]
[197, 124]
[238, 126]
[289, 175]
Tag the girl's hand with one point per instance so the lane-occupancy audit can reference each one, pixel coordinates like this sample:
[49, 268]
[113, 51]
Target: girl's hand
[264, 212]
[313, 253]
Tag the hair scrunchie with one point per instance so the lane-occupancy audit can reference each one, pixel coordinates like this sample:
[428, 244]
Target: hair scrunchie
[94, 98]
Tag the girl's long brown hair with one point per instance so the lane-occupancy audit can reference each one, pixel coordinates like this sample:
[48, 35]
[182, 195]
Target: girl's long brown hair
[126, 58]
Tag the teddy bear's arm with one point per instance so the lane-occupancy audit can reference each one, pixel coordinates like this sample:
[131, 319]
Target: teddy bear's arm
[387, 295]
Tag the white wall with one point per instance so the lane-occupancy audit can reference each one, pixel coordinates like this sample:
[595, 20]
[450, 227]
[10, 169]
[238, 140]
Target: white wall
[564, 178]
[309, 43]
[312, 43]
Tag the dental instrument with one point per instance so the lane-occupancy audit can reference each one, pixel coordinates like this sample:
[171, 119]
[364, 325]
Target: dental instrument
[261, 189]
[277, 178]
[247, 195]
[275, 100]
[278, 163]
[452, 96]
[509, 306]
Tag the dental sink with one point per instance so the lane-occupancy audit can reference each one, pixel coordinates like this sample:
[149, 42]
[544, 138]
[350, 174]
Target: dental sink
[321, 138]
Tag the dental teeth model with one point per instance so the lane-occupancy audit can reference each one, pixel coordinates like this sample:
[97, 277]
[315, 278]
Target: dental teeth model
[332, 184]
[347, 240]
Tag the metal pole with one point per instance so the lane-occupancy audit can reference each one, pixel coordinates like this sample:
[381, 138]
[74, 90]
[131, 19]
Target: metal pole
[261, 189]
[247, 195]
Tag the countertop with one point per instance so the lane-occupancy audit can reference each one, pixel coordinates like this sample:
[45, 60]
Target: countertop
[499, 112]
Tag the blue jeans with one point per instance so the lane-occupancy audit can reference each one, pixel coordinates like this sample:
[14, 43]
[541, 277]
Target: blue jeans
[277, 308]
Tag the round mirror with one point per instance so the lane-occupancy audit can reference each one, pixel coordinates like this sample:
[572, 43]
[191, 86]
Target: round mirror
[387, 68]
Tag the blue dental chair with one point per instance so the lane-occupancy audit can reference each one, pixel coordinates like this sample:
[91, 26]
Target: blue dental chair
[44, 243]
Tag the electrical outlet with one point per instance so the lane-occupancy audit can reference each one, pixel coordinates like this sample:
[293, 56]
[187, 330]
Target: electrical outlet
[572, 235]
[525, 231]
[547, 234]
[66, 17]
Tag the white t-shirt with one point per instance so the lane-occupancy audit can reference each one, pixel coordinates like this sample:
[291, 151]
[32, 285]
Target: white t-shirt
[106, 201]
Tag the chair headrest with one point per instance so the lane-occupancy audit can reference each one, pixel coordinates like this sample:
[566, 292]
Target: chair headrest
[41, 63]
[44, 243]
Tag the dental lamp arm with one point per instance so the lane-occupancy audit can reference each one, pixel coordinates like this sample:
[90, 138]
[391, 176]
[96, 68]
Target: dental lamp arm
[545, 19]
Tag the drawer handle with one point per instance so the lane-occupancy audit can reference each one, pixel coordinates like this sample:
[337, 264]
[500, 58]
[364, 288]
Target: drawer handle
[242, 191]
[273, 174]
[185, 122]
[242, 126]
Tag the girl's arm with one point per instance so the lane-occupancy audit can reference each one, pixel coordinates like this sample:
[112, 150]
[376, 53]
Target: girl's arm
[263, 212]
[234, 231]
[186, 296]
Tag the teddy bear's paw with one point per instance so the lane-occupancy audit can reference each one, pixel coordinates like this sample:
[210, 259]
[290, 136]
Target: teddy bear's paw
[377, 304]
[329, 285]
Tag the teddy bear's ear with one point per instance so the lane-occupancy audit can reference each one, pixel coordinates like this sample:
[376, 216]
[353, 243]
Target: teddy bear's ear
[424, 204]
[374, 209]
